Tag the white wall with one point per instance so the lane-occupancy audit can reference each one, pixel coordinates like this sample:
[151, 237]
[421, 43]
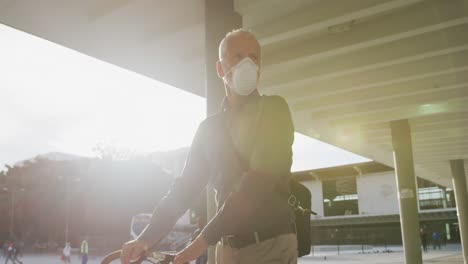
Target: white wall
[377, 194]
[315, 188]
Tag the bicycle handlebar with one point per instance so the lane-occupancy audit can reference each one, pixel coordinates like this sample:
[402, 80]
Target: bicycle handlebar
[155, 257]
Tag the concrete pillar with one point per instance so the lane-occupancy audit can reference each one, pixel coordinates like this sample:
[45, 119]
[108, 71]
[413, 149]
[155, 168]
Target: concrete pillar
[220, 18]
[461, 198]
[407, 192]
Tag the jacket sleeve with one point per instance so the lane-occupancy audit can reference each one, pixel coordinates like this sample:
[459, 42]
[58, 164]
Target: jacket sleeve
[271, 159]
[184, 190]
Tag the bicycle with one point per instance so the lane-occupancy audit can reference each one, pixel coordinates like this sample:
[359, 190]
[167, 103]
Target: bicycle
[138, 224]
[155, 257]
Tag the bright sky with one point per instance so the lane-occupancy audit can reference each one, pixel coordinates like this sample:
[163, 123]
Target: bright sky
[55, 99]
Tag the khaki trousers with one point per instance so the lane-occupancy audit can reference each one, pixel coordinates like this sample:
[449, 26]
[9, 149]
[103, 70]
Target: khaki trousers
[278, 250]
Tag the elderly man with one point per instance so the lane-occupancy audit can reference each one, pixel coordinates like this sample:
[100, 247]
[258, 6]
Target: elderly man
[245, 152]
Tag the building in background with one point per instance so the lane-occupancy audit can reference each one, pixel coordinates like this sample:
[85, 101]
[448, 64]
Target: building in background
[358, 204]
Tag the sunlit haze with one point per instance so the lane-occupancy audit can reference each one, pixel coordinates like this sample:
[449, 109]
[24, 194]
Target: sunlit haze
[55, 99]
[309, 153]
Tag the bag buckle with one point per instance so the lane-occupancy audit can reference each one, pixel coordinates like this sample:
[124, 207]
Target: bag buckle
[292, 201]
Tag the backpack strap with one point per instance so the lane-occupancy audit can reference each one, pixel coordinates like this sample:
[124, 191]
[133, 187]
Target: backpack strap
[245, 164]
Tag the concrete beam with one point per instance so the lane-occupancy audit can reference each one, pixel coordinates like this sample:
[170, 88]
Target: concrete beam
[399, 100]
[383, 78]
[437, 118]
[421, 128]
[462, 141]
[412, 21]
[412, 49]
[432, 159]
[322, 16]
[5, 4]
[436, 146]
[253, 11]
[388, 83]
[421, 137]
[397, 112]
[98, 9]
[460, 149]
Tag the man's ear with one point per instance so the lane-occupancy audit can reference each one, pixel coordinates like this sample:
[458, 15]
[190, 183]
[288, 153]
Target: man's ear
[219, 69]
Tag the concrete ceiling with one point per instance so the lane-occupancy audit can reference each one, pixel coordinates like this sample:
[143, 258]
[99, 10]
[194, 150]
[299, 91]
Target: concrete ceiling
[347, 68]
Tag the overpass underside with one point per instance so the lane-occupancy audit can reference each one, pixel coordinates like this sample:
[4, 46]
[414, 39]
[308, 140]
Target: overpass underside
[386, 79]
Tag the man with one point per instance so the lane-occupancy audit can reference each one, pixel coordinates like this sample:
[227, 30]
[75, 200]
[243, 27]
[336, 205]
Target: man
[84, 250]
[423, 234]
[435, 240]
[245, 152]
[66, 252]
[12, 254]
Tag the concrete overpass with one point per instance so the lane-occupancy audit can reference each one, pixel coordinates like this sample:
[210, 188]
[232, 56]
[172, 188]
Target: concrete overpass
[375, 77]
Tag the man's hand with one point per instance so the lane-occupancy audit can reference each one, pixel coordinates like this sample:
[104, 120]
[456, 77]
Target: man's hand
[133, 250]
[192, 251]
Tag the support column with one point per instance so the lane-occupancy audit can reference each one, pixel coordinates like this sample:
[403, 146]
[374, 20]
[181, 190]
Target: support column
[220, 18]
[407, 191]
[461, 198]
[12, 213]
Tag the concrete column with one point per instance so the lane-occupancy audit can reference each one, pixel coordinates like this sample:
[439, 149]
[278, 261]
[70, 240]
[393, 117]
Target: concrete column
[407, 191]
[220, 18]
[461, 198]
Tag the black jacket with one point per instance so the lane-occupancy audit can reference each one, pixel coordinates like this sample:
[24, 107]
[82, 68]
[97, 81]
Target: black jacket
[262, 132]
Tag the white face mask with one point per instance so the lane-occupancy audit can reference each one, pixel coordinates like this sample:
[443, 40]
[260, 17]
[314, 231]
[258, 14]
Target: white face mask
[243, 78]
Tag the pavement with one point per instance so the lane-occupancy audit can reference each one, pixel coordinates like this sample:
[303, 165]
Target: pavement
[450, 254]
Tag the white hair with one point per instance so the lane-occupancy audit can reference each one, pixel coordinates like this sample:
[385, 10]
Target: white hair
[223, 44]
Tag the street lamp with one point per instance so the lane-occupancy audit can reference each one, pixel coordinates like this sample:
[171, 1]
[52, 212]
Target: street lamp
[67, 205]
[12, 209]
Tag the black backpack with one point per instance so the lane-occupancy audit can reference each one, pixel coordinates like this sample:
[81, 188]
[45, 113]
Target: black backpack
[300, 200]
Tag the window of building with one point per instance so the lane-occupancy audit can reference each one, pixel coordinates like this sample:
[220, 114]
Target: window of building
[434, 196]
[340, 197]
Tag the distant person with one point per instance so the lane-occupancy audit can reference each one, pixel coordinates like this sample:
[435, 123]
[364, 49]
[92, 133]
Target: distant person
[9, 252]
[12, 254]
[423, 234]
[435, 240]
[66, 252]
[84, 250]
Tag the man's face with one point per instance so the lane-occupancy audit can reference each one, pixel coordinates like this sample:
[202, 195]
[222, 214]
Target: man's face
[240, 46]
